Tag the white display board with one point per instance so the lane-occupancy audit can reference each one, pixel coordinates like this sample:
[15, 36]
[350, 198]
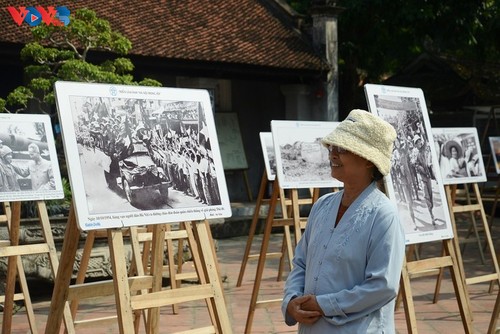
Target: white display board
[495, 152]
[459, 155]
[141, 155]
[301, 160]
[415, 180]
[29, 169]
[266, 141]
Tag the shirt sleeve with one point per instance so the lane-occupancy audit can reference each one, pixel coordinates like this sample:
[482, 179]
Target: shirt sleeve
[294, 286]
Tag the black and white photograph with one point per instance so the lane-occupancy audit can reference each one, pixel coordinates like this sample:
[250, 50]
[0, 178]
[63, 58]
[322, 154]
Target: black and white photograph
[266, 141]
[301, 160]
[459, 155]
[495, 152]
[29, 169]
[415, 180]
[140, 155]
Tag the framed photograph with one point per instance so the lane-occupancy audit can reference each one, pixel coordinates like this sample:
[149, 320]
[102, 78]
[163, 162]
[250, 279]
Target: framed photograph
[141, 155]
[495, 152]
[29, 169]
[266, 141]
[414, 181]
[459, 155]
[301, 160]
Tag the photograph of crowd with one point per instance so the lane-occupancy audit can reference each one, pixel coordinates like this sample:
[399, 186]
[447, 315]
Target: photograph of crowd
[459, 155]
[301, 160]
[495, 152]
[143, 154]
[29, 168]
[266, 141]
[166, 140]
[415, 179]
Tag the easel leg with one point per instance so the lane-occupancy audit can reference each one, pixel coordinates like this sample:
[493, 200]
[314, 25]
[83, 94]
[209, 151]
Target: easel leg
[494, 316]
[84, 263]
[411, 321]
[262, 260]
[460, 289]
[11, 269]
[253, 227]
[120, 279]
[157, 273]
[206, 243]
[64, 272]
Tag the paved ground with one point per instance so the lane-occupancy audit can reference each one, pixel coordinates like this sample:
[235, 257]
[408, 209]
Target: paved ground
[440, 317]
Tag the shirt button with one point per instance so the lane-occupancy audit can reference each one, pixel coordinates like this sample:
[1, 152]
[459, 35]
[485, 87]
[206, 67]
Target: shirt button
[324, 246]
[320, 262]
[315, 278]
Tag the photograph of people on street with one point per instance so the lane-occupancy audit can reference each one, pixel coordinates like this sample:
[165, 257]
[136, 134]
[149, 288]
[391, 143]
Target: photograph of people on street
[415, 179]
[459, 155]
[145, 154]
[495, 152]
[29, 168]
[266, 141]
[301, 160]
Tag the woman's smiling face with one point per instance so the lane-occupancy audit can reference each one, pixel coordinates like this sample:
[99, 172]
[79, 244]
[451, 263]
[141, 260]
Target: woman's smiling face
[348, 167]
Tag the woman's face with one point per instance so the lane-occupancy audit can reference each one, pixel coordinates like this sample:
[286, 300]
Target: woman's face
[454, 152]
[348, 167]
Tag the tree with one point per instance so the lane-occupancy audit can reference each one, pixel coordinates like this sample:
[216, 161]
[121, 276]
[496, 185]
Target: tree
[61, 53]
[378, 37]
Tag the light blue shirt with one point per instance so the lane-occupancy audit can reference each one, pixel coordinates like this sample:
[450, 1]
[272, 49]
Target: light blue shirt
[353, 269]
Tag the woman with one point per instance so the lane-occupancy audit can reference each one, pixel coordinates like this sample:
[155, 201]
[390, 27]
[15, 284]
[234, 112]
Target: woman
[347, 265]
[456, 162]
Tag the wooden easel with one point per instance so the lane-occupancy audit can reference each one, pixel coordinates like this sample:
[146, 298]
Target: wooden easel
[126, 303]
[139, 266]
[287, 207]
[414, 268]
[271, 222]
[261, 200]
[494, 315]
[455, 208]
[14, 251]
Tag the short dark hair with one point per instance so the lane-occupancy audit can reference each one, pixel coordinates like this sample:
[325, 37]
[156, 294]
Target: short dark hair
[377, 175]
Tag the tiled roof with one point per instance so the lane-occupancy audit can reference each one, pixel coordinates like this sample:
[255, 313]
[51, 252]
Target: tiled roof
[225, 31]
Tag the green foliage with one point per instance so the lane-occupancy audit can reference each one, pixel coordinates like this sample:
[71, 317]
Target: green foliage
[378, 37]
[60, 53]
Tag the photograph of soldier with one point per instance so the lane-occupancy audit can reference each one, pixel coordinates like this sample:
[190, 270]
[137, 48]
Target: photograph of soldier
[25, 160]
[460, 158]
[413, 172]
[144, 154]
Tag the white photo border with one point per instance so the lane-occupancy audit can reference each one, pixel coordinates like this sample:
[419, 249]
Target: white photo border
[14, 134]
[495, 147]
[317, 173]
[70, 114]
[470, 166]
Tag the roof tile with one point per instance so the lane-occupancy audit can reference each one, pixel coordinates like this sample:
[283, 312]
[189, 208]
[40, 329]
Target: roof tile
[236, 32]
